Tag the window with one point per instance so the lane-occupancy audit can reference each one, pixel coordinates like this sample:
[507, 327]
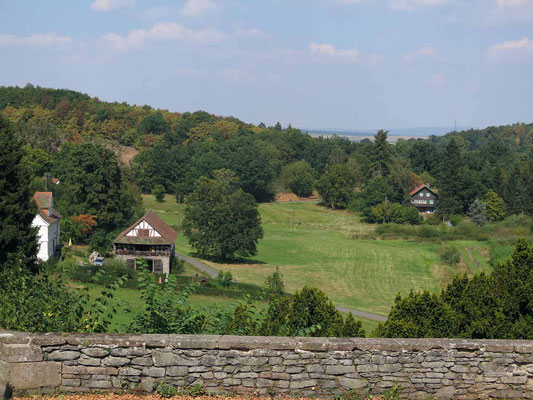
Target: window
[427, 194]
[421, 194]
[158, 266]
[431, 202]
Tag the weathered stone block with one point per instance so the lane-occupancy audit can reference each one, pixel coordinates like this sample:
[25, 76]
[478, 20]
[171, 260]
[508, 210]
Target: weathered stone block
[15, 353]
[128, 371]
[352, 383]
[154, 372]
[111, 361]
[95, 352]
[166, 358]
[143, 361]
[339, 369]
[33, 375]
[97, 384]
[71, 382]
[178, 371]
[303, 384]
[63, 355]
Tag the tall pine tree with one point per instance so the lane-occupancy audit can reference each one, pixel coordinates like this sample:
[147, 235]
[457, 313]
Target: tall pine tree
[381, 154]
[450, 180]
[18, 239]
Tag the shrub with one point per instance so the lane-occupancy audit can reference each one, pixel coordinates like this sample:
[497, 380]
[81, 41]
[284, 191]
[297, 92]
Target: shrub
[159, 193]
[450, 255]
[275, 282]
[223, 280]
[165, 390]
[433, 219]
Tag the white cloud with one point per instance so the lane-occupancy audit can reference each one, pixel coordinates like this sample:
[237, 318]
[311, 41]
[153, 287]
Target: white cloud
[414, 4]
[110, 5]
[35, 39]
[426, 51]
[437, 80]
[511, 48]
[197, 8]
[163, 31]
[330, 51]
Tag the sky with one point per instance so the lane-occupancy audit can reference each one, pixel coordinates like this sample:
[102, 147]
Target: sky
[316, 64]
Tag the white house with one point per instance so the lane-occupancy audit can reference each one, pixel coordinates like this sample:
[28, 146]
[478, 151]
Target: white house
[47, 220]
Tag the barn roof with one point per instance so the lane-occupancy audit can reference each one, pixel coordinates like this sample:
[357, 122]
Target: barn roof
[45, 206]
[168, 235]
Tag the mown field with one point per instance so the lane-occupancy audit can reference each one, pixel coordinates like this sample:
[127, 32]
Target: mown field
[320, 251]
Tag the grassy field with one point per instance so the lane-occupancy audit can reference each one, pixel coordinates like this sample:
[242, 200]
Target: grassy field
[318, 251]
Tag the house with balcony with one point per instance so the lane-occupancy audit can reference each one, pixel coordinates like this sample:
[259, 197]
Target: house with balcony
[424, 199]
[150, 238]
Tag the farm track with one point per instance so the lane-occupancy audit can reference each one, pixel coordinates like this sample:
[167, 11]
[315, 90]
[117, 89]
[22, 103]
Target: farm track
[213, 273]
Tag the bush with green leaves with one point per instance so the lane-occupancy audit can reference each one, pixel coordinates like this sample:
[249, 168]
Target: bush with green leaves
[308, 313]
[450, 255]
[387, 212]
[166, 307]
[45, 303]
[275, 283]
[223, 280]
[159, 193]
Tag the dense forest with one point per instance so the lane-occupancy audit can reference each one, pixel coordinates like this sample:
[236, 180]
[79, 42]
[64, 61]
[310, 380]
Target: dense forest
[487, 171]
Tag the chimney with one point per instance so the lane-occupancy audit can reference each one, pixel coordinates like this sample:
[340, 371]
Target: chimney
[51, 208]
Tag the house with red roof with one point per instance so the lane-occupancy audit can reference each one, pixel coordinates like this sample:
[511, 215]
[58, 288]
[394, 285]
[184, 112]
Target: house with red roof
[48, 222]
[150, 238]
[424, 198]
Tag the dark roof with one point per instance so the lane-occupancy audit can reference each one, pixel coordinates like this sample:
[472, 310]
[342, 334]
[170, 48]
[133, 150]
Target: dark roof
[419, 188]
[168, 235]
[44, 202]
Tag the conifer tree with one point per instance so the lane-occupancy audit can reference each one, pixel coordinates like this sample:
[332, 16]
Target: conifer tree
[18, 239]
[450, 182]
[381, 154]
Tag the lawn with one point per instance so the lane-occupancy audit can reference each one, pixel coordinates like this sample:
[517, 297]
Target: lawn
[320, 251]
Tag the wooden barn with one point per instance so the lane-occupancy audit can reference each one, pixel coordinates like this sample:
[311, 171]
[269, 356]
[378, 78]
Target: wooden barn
[150, 238]
[424, 199]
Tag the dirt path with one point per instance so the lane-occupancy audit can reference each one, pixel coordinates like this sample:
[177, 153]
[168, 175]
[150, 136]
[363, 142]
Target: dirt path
[362, 314]
[210, 271]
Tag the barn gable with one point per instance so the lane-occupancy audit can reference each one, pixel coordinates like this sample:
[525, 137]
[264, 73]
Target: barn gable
[149, 229]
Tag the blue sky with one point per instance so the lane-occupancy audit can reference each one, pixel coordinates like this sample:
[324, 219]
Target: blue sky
[351, 64]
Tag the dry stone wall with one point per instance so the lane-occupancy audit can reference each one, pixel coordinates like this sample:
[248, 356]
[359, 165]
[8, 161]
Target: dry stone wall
[322, 367]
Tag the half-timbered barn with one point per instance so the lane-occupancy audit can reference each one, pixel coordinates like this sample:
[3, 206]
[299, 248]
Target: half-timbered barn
[149, 238]
[424, 199]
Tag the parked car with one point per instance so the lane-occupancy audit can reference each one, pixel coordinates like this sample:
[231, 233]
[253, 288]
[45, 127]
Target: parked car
[99, 261]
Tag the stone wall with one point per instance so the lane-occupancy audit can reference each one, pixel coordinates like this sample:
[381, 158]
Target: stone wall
[296, 366]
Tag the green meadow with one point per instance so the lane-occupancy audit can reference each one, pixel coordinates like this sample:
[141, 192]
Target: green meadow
[318, 249]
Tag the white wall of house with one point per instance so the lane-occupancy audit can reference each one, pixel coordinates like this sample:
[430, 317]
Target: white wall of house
[47, 237]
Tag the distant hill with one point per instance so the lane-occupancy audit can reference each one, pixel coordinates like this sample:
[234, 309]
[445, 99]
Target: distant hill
[400, 132]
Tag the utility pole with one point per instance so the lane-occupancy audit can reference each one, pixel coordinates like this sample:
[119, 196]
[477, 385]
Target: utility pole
[179, 207]
[385, 209]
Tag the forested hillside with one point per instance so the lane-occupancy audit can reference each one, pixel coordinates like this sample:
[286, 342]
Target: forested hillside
[493, 166]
